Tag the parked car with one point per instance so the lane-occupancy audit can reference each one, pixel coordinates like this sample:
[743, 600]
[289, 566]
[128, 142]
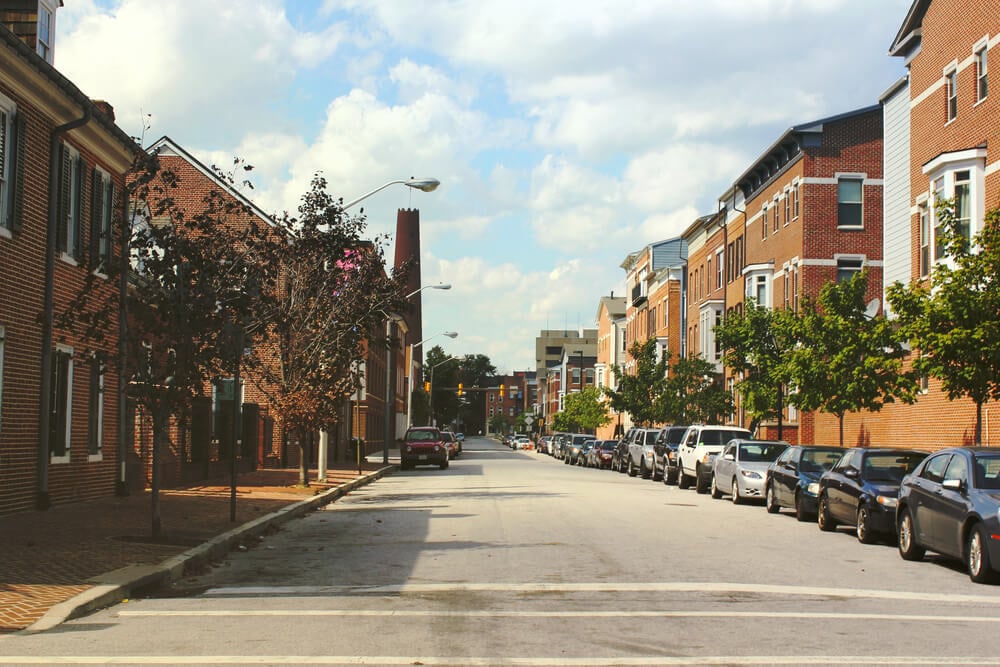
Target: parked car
[640, 452]
[573, 446]
[600, 454]
[741, 467]
[521, 442]
[695, 450]
[544, 444]
[460, 437]
[423, 445]
[793, 479]
[559, 445]
[861, 490]
[950, 504]
[581, 458]
[454, 446]
[619, 455]
[665, 453]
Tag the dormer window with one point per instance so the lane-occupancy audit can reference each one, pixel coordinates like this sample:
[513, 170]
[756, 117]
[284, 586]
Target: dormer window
[43, 45]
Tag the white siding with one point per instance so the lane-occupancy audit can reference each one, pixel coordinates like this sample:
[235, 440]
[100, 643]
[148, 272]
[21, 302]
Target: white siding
[896, 201]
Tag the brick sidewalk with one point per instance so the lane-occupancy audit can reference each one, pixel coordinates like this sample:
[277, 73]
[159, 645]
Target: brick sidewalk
[49, 557]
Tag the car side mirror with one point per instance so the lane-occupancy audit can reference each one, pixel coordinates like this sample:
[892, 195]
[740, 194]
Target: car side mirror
[954, 484]
[851, 472]
[729, 457]
[793, 466]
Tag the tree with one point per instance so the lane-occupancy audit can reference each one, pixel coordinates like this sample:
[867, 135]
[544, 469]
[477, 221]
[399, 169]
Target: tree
[755, 342]
[693, 395]
[584, 410]
[445, 374]
[844, 360]
[639, 393]
[335, 293]
[499, 423]
[955, 322]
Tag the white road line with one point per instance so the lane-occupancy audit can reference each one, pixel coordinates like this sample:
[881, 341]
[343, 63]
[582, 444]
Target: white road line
[498, 660]
[618, 587]
[558, 614]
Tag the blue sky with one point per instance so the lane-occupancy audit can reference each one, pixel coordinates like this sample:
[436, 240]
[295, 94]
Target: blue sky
[565, 134]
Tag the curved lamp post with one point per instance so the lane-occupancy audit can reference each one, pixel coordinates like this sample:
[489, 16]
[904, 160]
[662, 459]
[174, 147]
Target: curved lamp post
[422, 184]
[409, 395]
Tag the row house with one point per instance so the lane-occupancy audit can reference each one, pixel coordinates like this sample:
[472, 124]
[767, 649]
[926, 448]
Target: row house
[942, 141]
[62, 174]
[611, 355]
[655, 293]
[506, 398]
[706, 296]
[808, 211]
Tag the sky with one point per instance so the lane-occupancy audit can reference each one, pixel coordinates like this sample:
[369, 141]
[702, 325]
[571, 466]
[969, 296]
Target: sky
[566, 135]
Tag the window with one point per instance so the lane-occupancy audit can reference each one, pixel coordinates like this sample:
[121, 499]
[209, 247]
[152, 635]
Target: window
[102, 194]
[951, 95]
[796, 198]
[575, 376]
[786, 288]
[963, 204]
[60, 404]
[763, 223]
[510, 411]
[774, 217]
[847, 267]
[757, 283]
[981, 72]
[708, 271]
[849, 209]
[12, 137]
[69, 234]
[925, 240]
[43, 45]
[795, 290]
[718, 271]
[788, 206]
[492, 397]
[938, 222]
[95, 415]
[491, 411]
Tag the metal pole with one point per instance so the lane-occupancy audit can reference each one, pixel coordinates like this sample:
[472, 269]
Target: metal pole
[389, 398]
[409, 388]
[235, 441]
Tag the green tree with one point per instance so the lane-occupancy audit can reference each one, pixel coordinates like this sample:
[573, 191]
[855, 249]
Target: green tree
[955, 322]
[693, 394]
[444, 378]
[499, 423]
[755, 342]
[845, 360]
[639, 393]
[585, 410]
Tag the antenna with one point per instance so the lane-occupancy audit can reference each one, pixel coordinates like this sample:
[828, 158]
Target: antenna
[871, 310]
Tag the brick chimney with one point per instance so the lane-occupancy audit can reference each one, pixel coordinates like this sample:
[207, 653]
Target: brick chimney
[408, 250]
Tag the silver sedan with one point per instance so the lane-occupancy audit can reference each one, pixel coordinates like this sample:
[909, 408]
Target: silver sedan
[741, 468]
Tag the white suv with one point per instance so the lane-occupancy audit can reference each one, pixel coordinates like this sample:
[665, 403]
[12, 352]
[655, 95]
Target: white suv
[640, 452]
[698, 449]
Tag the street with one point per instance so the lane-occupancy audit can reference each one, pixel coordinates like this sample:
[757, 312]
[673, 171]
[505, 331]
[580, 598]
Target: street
[514, 558]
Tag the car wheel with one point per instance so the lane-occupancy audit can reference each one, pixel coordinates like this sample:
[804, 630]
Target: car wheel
[667, 478]
[683, 479]
[908, 547]
[770, 501]
[632, 472]
[977, 557]
[823, 518]
[800, 508]
[444, 464]
[700, 484]
[736, 492]
[864, 526]
[716, 493]
[644, 469]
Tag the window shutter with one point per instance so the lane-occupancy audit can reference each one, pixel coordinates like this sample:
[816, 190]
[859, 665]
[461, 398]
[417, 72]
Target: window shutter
[15, 157]
[115, 225]
[77, 208]
[62, 208]
[96, 207]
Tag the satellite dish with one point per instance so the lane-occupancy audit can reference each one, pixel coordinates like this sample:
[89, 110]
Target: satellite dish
[871, 310]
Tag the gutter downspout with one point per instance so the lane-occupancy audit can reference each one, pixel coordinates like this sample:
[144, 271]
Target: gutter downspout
[121, 485]
[42, 500]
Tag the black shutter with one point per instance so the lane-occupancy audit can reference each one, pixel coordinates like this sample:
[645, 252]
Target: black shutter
[96, 196]
[77, 207]
[15, 192]
[64, 177]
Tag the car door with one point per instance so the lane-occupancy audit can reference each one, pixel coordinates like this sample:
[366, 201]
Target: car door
[783, 476]
[725, 464]
[686, 448]
[925, 499]
[838, 483]
[952, 507]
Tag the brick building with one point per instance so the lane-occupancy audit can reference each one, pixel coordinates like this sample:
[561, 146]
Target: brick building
[610, 355]
[62, 171]
[942, 141]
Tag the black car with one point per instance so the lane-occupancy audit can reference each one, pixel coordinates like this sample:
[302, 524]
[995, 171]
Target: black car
[619, 457]
[950, 505]
[861, 490]
[665, 453]
[793, 480]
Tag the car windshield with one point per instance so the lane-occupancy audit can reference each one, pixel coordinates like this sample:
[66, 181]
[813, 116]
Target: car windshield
[891, 467]
[988, 471]
[751, 452]
[719, 438]
[608, 444]
[818, 460]
[422, 435]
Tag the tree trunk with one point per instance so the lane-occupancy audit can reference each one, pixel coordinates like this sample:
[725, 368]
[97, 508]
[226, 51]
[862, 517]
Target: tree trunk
[840, 420]
[161, 430]
[979, 424]
[303, 461]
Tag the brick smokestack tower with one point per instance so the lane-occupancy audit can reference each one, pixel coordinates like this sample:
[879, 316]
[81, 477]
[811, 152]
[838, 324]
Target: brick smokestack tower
[408, 250]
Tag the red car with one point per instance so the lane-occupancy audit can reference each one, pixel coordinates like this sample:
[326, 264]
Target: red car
[423, 446]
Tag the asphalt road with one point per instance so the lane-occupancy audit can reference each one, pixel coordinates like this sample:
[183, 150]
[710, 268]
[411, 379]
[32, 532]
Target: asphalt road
[514, 558]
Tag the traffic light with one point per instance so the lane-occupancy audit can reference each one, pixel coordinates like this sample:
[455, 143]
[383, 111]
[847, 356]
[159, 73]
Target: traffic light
[459, 388]
[501, 391]
[427, 387]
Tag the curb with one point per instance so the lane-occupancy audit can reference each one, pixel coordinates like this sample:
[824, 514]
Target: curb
[113, 587]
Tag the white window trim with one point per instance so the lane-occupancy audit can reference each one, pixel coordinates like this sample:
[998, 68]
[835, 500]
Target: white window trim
[982, 45]
[750, 274]
[852, 176]
[76, 207]
[946, 166]
[69, 408]
[946, 72]
[109, 187]
[7, 106]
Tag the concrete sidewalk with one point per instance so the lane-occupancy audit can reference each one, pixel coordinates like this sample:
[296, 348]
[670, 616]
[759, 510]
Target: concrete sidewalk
[75, 558]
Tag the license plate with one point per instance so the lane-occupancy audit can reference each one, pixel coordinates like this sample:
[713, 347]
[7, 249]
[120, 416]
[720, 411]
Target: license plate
[422, 457]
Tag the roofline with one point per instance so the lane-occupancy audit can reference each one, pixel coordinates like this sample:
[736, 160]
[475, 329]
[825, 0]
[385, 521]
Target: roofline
[68, 87]
[910, 29]
[197, 164]
[893, 89]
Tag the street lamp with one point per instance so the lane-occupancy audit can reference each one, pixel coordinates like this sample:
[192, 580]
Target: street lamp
[422, 184]
[390, 381]
[409, 395]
